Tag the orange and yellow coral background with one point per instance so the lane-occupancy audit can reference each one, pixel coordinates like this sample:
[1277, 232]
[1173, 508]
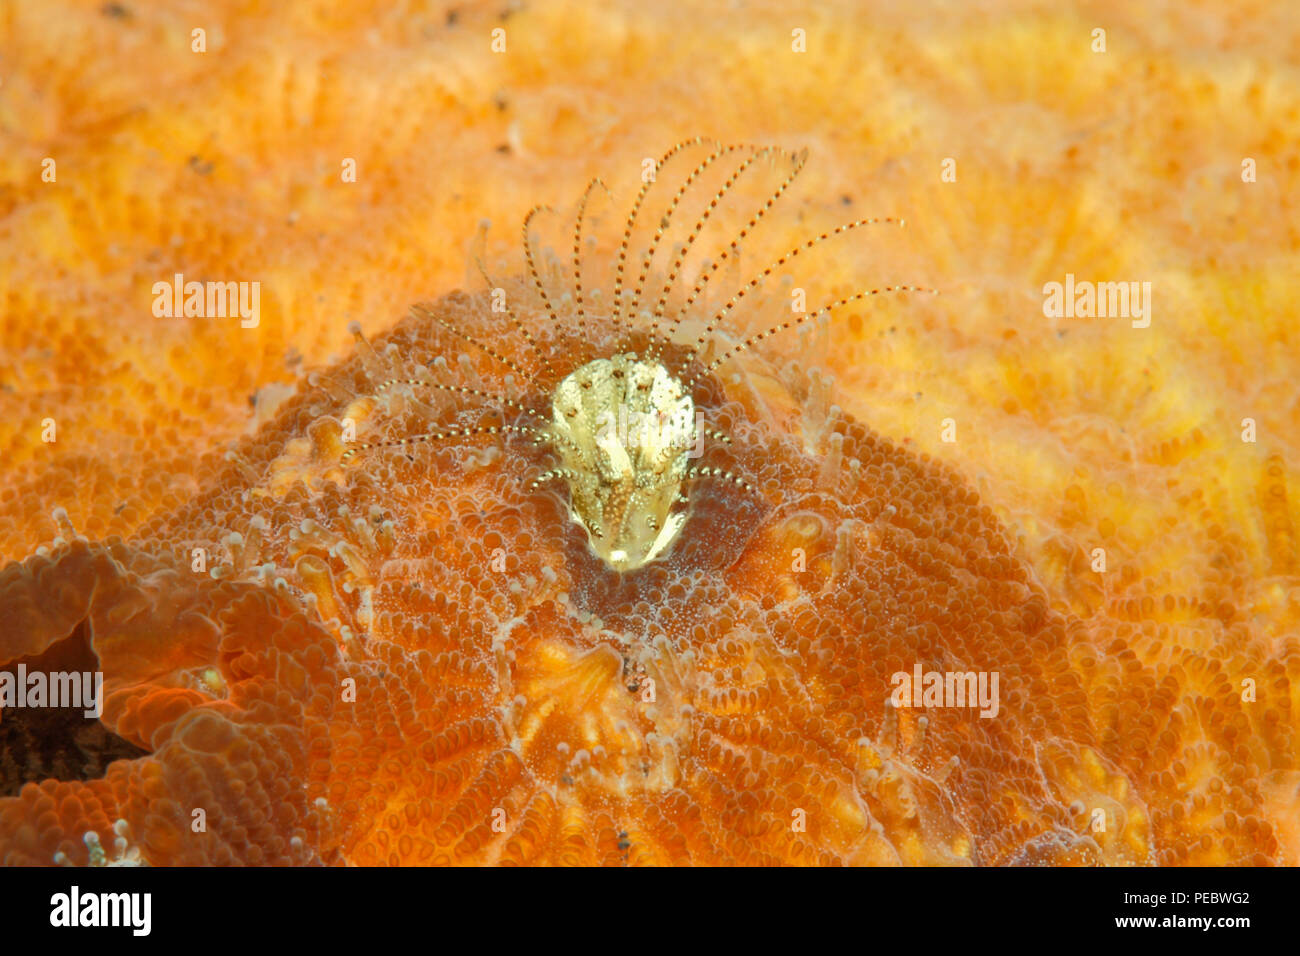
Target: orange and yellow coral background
[1080, 433]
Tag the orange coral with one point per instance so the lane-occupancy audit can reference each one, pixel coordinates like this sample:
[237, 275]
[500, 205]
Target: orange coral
[414, 658]
[1077, 435]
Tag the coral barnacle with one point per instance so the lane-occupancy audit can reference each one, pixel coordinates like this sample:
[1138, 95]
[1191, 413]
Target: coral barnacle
[622, 424]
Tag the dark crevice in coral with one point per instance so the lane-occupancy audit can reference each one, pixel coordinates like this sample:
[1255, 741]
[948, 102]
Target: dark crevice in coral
[43, 742]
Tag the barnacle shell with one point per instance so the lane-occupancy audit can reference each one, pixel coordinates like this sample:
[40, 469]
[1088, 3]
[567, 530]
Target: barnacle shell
[625, 429]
